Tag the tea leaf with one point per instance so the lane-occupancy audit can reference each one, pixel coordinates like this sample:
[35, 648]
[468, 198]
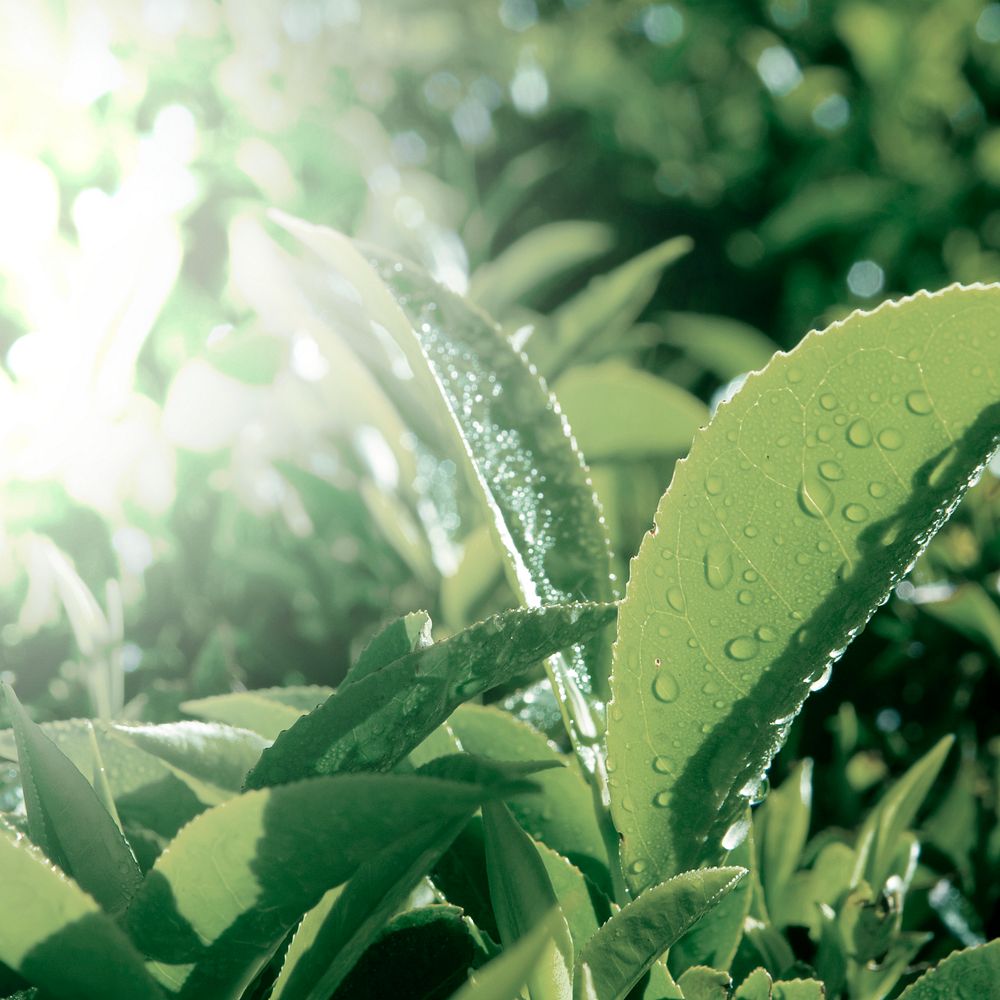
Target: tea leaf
[374, 722]
[67, 819]
[800, 506]
[236, 880]
[258, 711]
[395, 640]
[973, 972]
[53, 934]
[628, 944]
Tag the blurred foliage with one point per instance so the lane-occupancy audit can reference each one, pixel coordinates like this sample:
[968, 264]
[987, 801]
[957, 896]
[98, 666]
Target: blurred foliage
[204, 485]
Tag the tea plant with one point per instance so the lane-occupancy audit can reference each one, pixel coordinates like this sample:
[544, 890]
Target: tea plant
[396, 837]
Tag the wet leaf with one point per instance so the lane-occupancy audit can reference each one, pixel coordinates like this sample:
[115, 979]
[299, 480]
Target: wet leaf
[970, 974]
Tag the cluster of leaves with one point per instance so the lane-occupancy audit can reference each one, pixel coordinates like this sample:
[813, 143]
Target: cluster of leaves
[308, 842]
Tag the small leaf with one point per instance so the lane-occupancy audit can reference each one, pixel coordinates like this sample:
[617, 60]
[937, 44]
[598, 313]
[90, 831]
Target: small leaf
[238, 878]
[373, 723]
[798, 989]
[628, 944]
[54, 935]
[973, 972]
[67, 819]
[523, 897]
[725, 346]
[703, 983]
[970, 611]
[797, 510]
[756, 986]
[397, 639]
[620, 413]
[504, 977]
[879, 835]
[256, 711]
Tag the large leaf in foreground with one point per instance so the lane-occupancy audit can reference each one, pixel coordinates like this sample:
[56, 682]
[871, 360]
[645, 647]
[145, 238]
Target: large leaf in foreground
[374, 722]
[67, 819]
[54, 935]
[973, 972]
[634, 938]
[516, 445]
[235, 880]
[797, 510]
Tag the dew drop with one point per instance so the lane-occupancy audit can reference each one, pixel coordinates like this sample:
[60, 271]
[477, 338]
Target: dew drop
[665, 686]
[736, 833]
[675, 598]
[821, 680]
[663, 632]
[828, 401]
[890, 439]
[662, 765]
[710, 687]
[719, 703]
[667, 554]
[751, 575]
[713, 485]
[831, 470]
[856, 513]
[637, 867]
[919, 402]
[794, 375]
[745, 597]
[877, 489]
[706, 728]
[815, 497]
[766, 634]
[859, 433]
[743, 647]
[719, 565]
[661, 799]
[937, 474]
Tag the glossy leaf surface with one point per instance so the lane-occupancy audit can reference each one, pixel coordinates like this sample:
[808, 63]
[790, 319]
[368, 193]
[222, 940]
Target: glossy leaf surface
[373, 723]
[798, 509]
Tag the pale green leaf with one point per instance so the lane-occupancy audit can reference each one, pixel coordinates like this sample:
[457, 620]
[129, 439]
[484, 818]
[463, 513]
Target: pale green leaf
[257, 711]
[725, 346]
[756, 986]
[702, 983]
[68, 820]
[238, 878]
[373, 723]
[798, 509]
[55, 936]
[628, 944]
[971, 612]
[523, 897]
[618, 412]
[971, 973]
[798, 989]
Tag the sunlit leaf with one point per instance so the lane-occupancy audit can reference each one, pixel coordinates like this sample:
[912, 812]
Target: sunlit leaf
[973, 972]
[259, 711]
[800, 506]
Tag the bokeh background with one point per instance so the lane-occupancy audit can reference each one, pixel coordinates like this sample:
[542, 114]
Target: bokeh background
[200, 491]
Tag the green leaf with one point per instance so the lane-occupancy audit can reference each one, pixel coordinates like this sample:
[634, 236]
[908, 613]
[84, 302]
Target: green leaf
[628, 944]
[503, 978]
[334, 934]
[510, 435]
[254, 358]
[54, 935]
[781, 826]
[973, 972]
[575, 896]
[237, 878]
[725, 346]
[258, 711]
[797, 510]
[607, 307]
[373, 723]
[798, 989]
[530, 263]
[394, 641]
[879, 835]
[563, 815]
[970, 611]
[67, 819]
[523, 897]
[703, 983]
[756, 986]
[619, 412]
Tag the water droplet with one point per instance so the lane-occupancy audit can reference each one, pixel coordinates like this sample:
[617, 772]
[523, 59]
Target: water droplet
[766, 634]
[831, 470]
[662, 765]
[637, 867]
[675, 598]
[736, 833]
[663, 632]
[719, 703]
[856, 513]
[718, 565]
[743, 647]
[667, 555]
[815, 497]
[750, 531]
[890, 439]
[665, 686]
[745, 597]
[937, 474]
[877, 489]
[919, 402]
[706, 728]
[751, 575]
[828, 401]
[713, 485]
[859, 433]
[710, 687]
[661, 799]
[821, 680]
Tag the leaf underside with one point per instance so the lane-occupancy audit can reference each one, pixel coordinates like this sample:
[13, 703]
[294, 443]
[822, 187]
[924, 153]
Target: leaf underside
[798, 509]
